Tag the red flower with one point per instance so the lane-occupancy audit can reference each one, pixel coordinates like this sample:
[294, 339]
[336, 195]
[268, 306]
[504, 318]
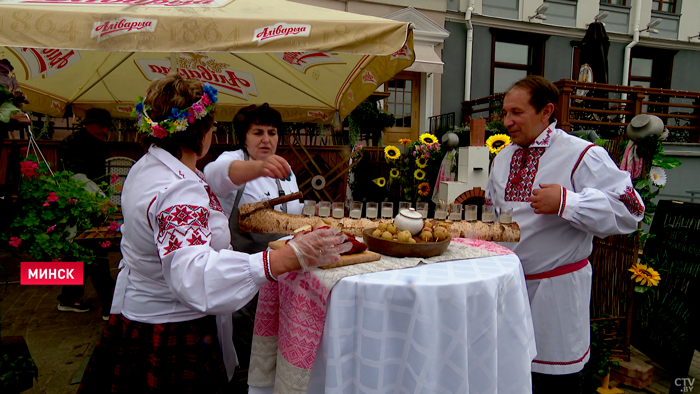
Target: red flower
[114, 226]
[159, 132]
[15, 241]
[52, 197]
[114, 179]
[46, 204]
[105, 244]
[23, 150]
[28, 167]
[50, 229]
[72, 200]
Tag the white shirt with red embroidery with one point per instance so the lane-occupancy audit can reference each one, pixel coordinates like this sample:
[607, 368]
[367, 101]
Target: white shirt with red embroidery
[177, 260]
[597, 198]
[259, 189]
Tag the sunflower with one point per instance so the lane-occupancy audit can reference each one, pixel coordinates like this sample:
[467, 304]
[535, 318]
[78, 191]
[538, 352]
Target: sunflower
[645, 275]
[380, 181]
[394, 173]
[405, 141]
[422, 161]
[424, 189]
[497, 142]
[419, 174]
[428, 138]
[392, 153]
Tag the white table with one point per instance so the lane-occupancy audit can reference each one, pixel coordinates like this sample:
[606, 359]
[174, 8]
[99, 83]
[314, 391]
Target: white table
[460, 327]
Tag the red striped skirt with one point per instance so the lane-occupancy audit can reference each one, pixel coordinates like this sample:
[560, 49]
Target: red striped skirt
[138, 357]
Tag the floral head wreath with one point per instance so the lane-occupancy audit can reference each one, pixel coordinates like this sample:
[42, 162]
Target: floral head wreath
[178, 120]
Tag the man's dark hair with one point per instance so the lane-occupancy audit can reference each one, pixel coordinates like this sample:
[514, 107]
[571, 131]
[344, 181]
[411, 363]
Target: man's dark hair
[542, 92]
[262, 115]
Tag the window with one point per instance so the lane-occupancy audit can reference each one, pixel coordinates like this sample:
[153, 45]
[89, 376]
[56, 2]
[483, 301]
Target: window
[399, 101]
[651, 67]
[514, 56]
[664, 5]
[614, 2]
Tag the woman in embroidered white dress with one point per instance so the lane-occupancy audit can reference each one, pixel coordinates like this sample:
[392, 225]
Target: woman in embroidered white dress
[170, 328]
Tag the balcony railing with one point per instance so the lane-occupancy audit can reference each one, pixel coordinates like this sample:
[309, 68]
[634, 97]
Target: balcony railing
[607, 109]
[444, 122]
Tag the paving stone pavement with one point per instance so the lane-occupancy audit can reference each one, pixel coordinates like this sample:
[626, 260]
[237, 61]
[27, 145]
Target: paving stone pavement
[60, 342]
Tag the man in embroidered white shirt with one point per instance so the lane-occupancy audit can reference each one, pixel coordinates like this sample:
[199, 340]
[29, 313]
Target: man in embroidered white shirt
[563, 191]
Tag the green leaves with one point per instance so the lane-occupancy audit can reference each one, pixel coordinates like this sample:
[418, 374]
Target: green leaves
[6, 110]
[666, 162]
[70, 205]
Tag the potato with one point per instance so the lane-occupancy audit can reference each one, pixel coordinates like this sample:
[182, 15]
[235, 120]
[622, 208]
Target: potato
[428, 224]
[387, 235]
[391, 227]
[382, 226]
[403, 236]
[377, 233]
[426, 236]
[412, 240]
[440, 233]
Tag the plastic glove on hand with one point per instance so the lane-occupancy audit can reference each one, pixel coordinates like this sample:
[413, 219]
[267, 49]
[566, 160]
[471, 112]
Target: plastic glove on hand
[319, 247]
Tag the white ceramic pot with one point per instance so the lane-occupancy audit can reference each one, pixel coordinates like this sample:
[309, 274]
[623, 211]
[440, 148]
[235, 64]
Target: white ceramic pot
[409, 219]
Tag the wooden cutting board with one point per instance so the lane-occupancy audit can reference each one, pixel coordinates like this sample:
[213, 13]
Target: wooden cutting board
[348, 259]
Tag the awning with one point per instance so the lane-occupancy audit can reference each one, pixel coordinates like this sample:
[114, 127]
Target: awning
[427, 61]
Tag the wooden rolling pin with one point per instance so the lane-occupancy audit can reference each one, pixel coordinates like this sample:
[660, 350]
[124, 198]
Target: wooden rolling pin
[248, 209]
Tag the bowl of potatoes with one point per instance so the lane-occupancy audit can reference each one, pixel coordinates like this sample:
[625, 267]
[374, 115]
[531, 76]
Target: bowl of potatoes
[388, 240]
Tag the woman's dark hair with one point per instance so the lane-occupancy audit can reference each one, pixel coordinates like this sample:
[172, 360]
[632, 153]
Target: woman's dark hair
[170, 92]
[262, 115]
[542, 92]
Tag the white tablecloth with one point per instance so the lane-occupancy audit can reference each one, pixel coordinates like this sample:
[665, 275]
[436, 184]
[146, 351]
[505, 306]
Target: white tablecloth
[460, 327]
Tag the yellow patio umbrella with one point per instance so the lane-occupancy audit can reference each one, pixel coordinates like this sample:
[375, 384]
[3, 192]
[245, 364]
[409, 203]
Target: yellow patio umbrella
[307, 62]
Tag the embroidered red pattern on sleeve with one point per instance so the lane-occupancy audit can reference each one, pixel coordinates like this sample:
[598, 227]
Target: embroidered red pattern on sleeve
[632, 202]
[182, 225]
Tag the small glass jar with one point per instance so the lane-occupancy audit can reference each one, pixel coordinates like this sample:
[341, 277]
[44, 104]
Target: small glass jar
[455, 212]
[487, 213]
[355, 209]
[506, 215]
[338, 210]
[324, 209]
[372, 210]
[422, 207]
[441, 211]
[470, 212]
[309, 209]
[387, 210]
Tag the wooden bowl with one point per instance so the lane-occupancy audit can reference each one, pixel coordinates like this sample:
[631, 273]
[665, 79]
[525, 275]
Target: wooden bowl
[403, 249]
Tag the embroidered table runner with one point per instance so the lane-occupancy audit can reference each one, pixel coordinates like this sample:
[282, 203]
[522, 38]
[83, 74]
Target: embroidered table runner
[291, 315]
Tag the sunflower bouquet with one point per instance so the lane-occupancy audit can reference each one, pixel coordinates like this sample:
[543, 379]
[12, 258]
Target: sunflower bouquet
[410, 171]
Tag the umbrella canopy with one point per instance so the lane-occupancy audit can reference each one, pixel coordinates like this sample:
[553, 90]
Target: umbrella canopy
[594, 52]
[307, 62]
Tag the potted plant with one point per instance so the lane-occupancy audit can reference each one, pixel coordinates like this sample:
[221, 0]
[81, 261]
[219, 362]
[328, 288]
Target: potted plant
[51, 209]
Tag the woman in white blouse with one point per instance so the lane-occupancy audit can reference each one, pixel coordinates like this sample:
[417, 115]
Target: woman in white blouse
[250, 174]
[170, 328]
[253, 173]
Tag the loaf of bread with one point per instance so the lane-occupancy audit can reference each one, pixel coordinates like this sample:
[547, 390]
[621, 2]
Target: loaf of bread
[275, 222]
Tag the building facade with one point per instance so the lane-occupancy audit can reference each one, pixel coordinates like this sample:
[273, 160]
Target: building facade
[414, 95]
[505, 40]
